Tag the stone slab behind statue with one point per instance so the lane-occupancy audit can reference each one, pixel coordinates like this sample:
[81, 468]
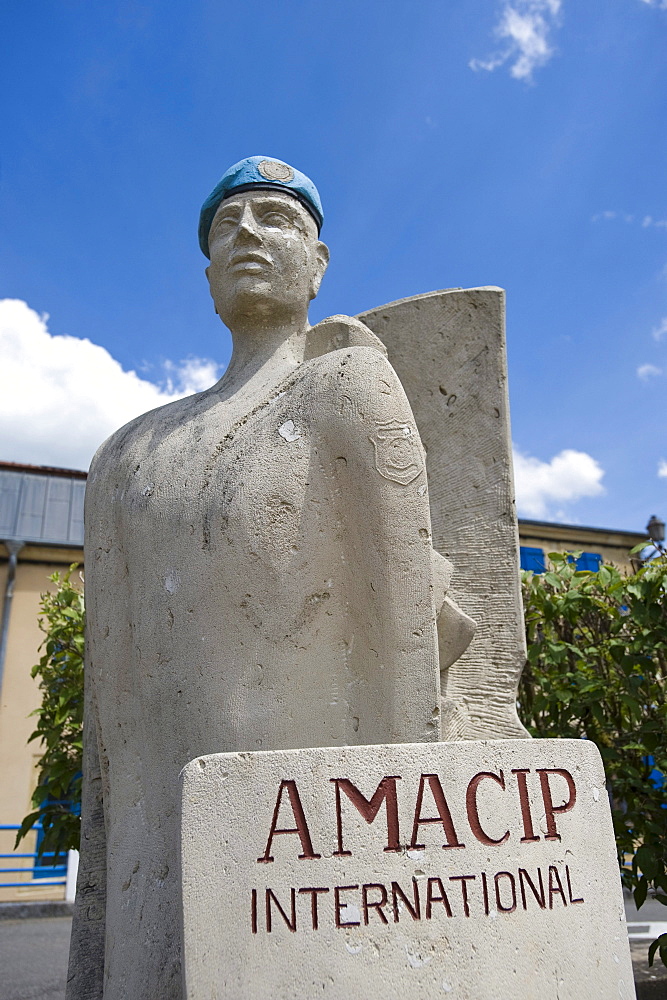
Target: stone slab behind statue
[448, 349]
[322, 873]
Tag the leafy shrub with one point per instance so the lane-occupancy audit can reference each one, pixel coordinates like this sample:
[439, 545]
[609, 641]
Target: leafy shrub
[597, 668]
[57, 798]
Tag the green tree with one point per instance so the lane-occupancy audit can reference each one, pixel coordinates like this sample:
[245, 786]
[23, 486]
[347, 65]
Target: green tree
[597, 668]
[57, 797]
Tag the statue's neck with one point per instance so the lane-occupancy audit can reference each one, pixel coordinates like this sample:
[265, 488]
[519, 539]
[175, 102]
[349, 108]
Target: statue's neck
[265, 355]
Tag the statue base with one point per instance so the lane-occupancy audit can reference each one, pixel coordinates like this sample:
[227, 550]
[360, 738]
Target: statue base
[478, 870]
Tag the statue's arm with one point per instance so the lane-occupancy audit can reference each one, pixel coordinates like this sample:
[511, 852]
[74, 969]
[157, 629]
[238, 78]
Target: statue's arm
[455, 628]
[85, 976]
[372, 447]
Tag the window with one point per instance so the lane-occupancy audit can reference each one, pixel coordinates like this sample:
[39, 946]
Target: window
[590, 561]
[532, 559]
[656, 777]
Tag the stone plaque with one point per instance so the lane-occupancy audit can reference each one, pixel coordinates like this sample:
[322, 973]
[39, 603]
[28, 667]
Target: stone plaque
[478, 871]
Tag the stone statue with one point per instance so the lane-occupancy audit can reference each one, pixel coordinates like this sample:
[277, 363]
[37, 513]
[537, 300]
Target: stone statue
[260, 575]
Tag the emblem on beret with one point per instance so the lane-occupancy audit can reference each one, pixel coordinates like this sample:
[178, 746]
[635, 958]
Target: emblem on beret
[274, 171]
[398, 454]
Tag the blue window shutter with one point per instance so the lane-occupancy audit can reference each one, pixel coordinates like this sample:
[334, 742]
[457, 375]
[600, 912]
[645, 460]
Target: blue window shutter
[532, 559]
[590, 561]
[656, 777]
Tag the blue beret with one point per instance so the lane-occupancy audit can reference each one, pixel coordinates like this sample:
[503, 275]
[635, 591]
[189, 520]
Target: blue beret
[263, 172]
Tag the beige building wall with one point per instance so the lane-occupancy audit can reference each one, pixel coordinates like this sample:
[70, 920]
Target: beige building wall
[19, 696]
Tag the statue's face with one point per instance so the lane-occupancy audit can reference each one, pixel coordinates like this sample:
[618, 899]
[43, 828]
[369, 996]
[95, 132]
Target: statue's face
[266, 259]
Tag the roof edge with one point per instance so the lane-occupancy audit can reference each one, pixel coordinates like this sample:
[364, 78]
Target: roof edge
[559, 525]
[43, 470]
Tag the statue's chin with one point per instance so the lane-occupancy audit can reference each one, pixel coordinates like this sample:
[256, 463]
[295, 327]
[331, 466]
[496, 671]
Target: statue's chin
[251, 297]
[255, 301]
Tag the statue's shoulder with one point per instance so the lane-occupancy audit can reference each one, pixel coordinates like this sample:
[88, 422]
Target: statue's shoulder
[354, 368]
[352, 381]
[131, 440]
[339, 332]
[344, 348]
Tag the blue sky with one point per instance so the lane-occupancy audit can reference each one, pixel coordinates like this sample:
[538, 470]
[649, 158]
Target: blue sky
[520, 143]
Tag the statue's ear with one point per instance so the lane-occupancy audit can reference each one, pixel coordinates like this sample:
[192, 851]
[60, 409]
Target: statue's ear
[322, 255]
[322, 258]
[337, 332]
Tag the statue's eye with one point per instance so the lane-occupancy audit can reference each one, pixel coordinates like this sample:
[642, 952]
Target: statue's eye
[276, 219]
[222, 227]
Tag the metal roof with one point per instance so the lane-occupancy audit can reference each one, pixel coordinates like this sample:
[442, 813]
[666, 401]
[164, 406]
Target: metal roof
[41, 506]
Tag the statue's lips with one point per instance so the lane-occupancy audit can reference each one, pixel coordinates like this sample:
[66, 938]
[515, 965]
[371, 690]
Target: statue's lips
[250, 262]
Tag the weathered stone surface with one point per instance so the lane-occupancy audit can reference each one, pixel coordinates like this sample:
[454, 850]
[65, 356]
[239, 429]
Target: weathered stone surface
[85, 975]
[260, 573]
[295, 886]
[448, 349]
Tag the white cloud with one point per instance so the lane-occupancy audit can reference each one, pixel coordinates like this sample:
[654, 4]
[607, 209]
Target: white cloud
[646, 221]
[660, 4]
[62, 396]
[661, 330]
[662, 468]
[569, 476]
[525, 27]
[649, 221]
[188, 376]
[647, 371]
[608, 216]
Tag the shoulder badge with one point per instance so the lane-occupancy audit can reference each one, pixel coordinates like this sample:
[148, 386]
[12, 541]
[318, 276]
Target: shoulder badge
[398, 454]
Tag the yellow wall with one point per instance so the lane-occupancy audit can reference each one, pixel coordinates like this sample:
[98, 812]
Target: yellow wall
[19, 697]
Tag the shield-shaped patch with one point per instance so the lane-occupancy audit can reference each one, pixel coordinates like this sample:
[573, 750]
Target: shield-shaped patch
[398, 454]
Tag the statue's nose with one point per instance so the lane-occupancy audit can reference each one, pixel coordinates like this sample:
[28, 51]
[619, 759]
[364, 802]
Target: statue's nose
[248, 225]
